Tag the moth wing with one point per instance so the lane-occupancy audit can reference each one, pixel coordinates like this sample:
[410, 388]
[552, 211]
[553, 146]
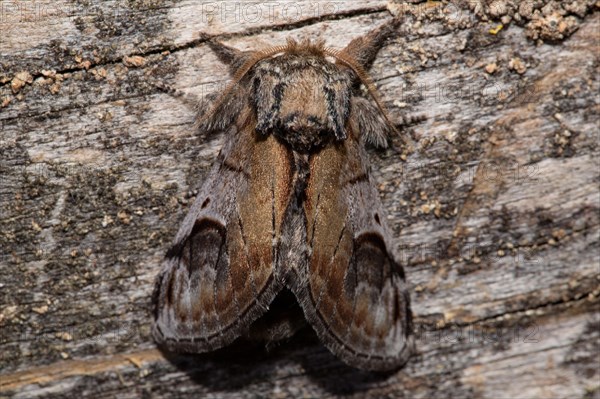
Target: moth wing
[219, 276]
[354, 293]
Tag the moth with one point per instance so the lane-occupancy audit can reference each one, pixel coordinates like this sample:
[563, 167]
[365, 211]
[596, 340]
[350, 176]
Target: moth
[289, 216]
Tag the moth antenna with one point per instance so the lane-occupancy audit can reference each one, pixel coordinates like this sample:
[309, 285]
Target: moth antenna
[241, 72]
[189, 100]
[292, 45]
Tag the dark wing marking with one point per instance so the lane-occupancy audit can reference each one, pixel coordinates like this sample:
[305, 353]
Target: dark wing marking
[355, 294]
[219, 276]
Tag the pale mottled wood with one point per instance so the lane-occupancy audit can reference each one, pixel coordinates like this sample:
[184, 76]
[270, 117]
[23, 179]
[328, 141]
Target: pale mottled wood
[496, 211]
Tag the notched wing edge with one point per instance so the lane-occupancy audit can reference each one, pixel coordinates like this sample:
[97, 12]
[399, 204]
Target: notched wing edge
[228, 333]
[338, 346]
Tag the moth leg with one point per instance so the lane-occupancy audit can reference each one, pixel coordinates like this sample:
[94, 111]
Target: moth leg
[189, 100]
[370, 122]
[199, 105]
[406, 119]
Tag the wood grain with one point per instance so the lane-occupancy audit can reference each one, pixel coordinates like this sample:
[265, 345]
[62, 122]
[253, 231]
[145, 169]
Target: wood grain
[495, 211]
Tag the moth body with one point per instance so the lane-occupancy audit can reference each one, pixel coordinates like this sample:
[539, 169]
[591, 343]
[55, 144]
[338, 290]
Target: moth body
[290, 213]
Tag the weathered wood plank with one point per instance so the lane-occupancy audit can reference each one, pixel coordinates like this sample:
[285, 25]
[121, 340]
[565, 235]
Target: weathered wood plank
[64, 35]
[495, 211]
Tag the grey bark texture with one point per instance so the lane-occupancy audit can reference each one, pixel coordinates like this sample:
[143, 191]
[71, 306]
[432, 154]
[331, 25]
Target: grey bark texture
[494, 204]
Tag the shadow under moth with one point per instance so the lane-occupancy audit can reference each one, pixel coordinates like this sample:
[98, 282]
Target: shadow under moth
[289, 214]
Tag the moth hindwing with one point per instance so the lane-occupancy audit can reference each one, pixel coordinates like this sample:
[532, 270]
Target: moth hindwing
[289, 210]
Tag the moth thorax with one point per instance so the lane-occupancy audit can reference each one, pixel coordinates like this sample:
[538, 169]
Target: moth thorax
[305, 105]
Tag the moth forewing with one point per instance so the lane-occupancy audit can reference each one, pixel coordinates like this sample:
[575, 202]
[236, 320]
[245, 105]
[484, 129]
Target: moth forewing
[219, 276]
[290, 207]
[356, 297]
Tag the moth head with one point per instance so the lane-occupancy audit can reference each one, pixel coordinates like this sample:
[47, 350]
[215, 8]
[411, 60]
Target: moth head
[301, 92]
[301, 96]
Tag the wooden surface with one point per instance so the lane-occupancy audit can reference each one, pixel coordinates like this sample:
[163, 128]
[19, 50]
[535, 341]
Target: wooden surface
[495, 211]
